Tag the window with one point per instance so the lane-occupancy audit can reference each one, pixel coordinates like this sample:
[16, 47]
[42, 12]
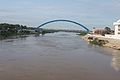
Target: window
[118, 29]
[118, 26]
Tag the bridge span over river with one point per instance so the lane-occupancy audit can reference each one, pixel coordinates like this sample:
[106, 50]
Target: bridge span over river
[62, 20]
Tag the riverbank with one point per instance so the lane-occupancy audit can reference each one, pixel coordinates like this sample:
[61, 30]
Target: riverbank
[14, 30]
[107, 42]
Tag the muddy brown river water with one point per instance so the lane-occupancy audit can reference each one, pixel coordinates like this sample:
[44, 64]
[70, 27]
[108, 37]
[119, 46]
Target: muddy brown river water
[57, 56]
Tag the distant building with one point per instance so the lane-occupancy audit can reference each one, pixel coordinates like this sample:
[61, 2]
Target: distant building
[117, 28]
[98, 31]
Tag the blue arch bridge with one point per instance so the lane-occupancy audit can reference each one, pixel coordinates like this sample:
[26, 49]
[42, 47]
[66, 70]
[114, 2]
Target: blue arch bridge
[39, 29]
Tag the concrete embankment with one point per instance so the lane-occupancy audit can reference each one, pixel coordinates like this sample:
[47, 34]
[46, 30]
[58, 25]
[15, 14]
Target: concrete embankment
[109, 42]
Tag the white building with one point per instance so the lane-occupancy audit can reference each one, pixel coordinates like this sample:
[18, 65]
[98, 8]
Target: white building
[116, 31]
[117, 28]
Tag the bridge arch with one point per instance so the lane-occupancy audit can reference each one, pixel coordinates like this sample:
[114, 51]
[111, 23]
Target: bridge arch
[62, 20]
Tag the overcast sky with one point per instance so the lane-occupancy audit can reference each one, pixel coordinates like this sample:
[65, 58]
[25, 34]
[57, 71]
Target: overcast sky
[34, 12]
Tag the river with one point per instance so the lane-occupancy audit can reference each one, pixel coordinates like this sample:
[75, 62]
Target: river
[57, 56]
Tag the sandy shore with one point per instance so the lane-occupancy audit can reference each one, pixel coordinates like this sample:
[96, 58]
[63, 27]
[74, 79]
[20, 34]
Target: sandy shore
[112, 43]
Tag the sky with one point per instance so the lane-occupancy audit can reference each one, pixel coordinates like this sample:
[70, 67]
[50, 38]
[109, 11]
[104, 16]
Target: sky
[91, 13]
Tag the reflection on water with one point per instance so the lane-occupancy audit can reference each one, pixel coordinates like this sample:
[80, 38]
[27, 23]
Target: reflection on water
[116, 60]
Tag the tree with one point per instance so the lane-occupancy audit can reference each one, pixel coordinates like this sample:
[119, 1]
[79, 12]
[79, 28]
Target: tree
[108, 30]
